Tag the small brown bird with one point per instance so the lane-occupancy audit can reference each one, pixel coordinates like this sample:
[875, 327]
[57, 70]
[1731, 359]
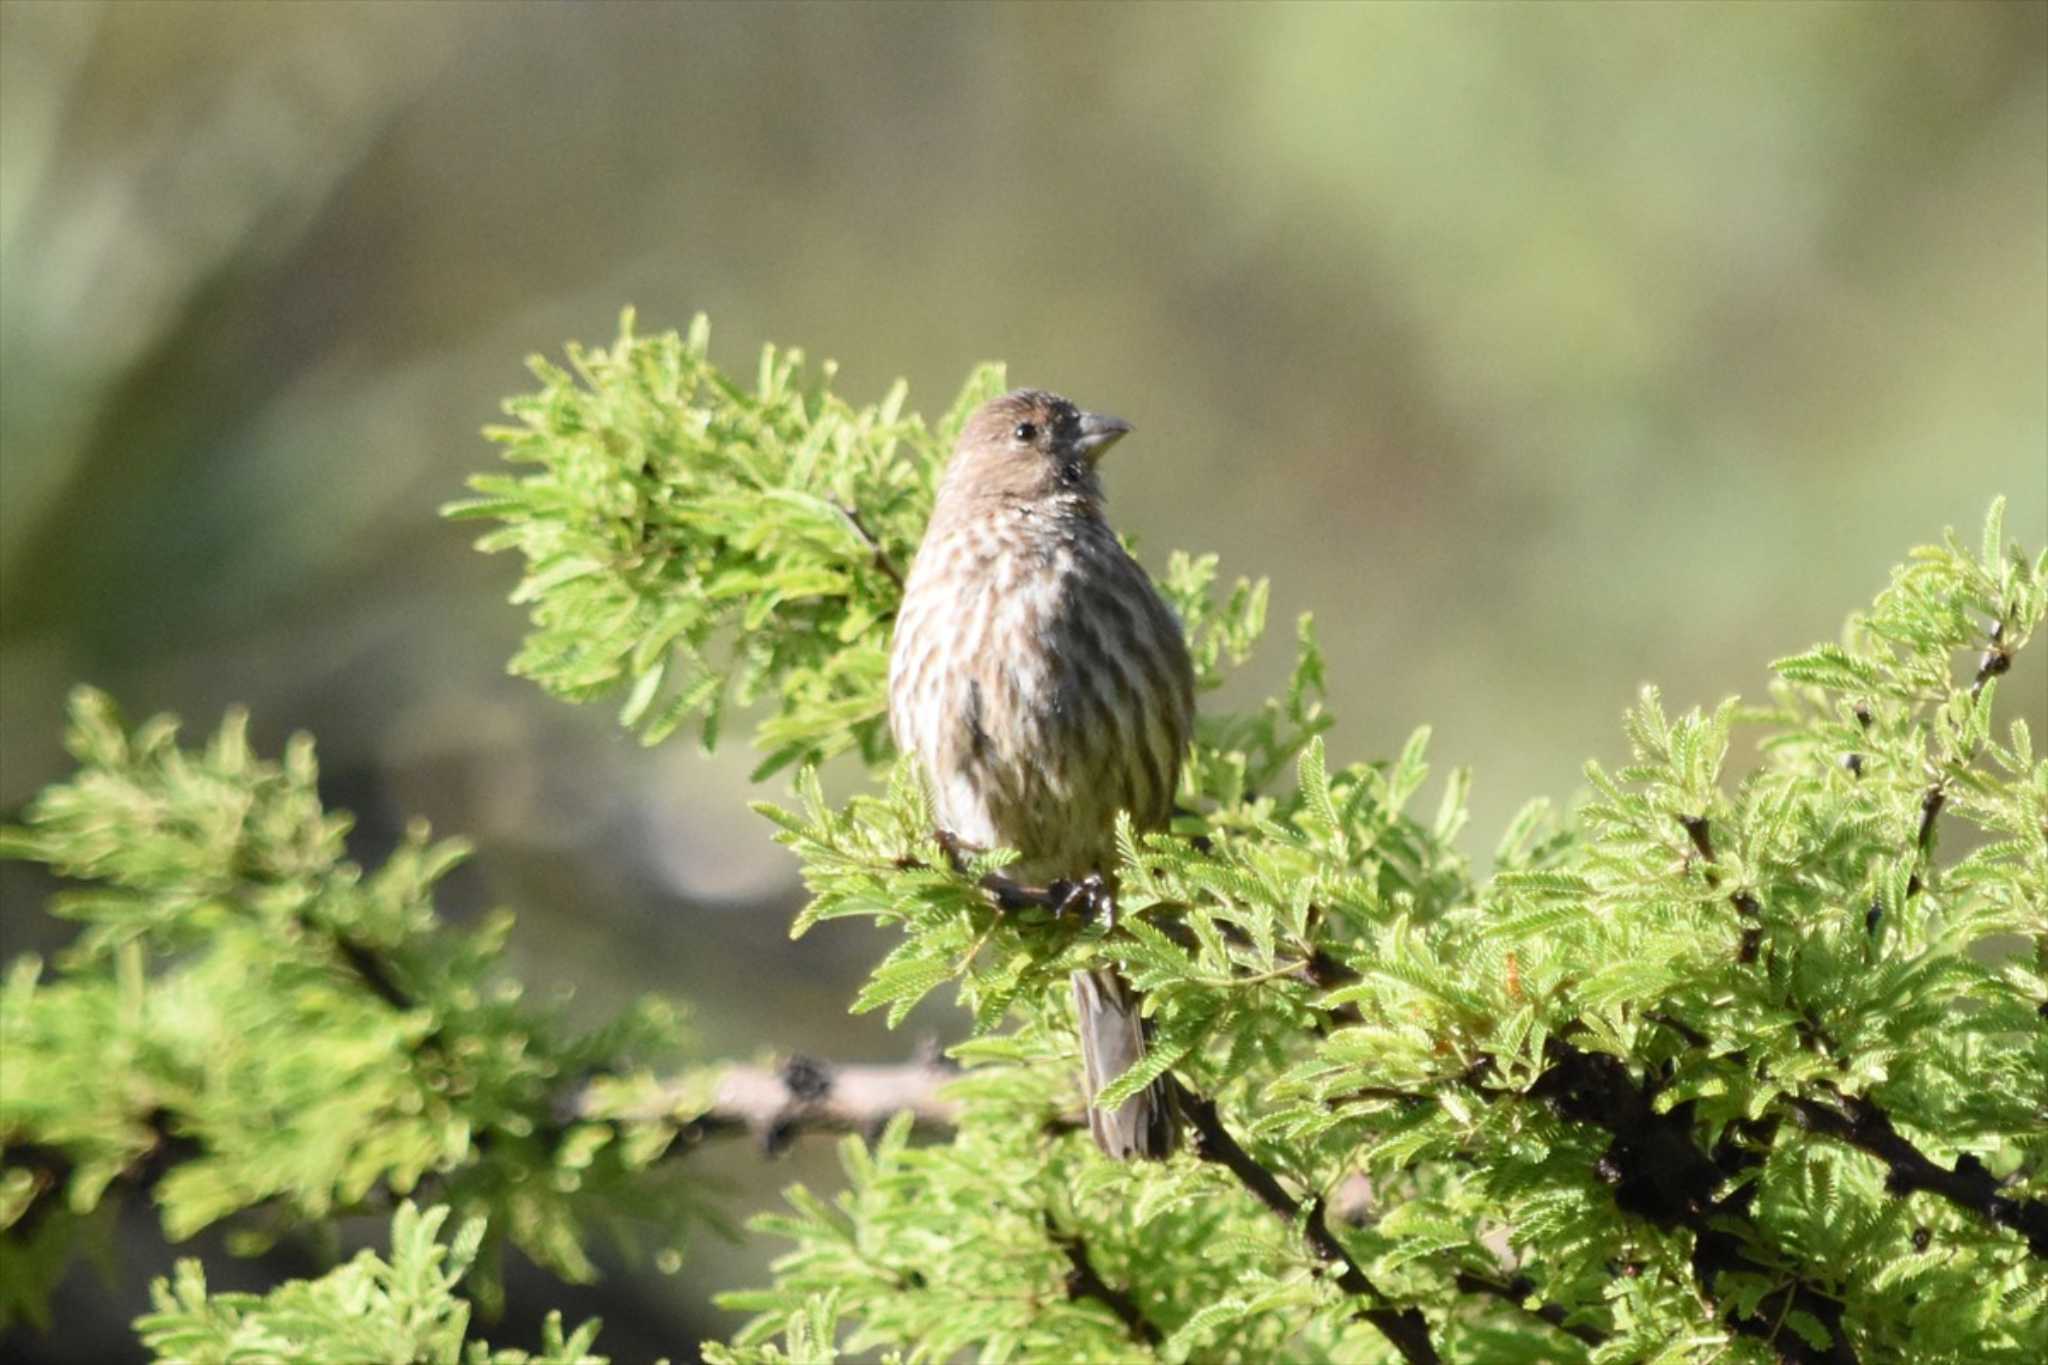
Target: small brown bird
[1044, 686]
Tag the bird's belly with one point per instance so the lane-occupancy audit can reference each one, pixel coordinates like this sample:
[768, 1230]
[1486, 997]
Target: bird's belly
[1034, 761]
[1035, 717]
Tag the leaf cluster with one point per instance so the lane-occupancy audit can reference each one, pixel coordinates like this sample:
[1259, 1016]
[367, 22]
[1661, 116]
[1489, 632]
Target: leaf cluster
[692, 545]
[1328, 967]
[401, 1309]
[250, 1027]
[1742, 1059]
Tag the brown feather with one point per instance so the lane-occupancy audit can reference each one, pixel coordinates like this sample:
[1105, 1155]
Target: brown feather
[1044, 686]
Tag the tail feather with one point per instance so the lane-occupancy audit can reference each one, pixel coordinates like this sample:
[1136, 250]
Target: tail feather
[1147, 1125]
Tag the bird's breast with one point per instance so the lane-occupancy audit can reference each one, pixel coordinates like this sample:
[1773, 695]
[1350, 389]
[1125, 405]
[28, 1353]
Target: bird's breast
[1042, 685]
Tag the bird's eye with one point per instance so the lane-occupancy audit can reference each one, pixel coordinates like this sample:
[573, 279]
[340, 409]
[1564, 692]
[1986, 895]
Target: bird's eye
[1025, 432]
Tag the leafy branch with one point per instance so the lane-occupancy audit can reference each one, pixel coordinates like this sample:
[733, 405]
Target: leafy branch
[1683, 964]
[403, 1308]
[1712, 1067]
[252, 1027]
[1405, 1329]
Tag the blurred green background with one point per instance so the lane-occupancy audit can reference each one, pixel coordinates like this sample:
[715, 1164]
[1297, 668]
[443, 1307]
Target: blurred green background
[1542, 351]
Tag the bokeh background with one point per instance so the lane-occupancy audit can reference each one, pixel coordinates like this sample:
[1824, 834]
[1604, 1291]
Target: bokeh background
[1542, 351]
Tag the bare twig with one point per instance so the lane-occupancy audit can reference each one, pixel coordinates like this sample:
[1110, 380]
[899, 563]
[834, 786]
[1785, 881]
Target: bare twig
[802, 1095]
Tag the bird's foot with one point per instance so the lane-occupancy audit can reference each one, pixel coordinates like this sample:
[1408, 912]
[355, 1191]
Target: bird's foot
[957, 850]
[1007, 892]
[1087, 896]
[1012, 895]
[1090, 897]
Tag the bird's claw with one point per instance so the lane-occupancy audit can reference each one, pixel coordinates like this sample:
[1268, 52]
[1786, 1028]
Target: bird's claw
[954, 847]
[1087, 896]
[1090, 896]
[1011, 896]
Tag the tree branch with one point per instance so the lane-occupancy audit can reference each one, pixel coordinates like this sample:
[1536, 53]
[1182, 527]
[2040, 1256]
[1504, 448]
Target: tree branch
[1660, 1174]
[369, 966]
[1700, 831]
[1518, 1292]
[1404, 1327]
[776, 1105]
[51, 1167]
[1862, 1124]
[1083, 1283]
[802, 1095]
[1997, 659]
[1352, 1202]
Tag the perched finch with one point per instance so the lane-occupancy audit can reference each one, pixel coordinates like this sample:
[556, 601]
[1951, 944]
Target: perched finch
[1044, 686]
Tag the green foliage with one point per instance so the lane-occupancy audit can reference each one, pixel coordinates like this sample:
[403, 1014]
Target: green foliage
[690, 545]
[810, 1333]
[251, 1026]
[853, 858]
[370, 1309]
[1730, 1064]
[1755, 952]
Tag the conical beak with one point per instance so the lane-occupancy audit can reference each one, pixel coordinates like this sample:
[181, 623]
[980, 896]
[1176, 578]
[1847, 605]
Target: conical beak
[1099, 432]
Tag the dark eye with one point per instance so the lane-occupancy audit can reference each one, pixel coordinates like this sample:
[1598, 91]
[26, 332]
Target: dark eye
[1025, 432]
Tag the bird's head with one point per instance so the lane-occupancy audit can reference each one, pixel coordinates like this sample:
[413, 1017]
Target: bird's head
[1029, 446]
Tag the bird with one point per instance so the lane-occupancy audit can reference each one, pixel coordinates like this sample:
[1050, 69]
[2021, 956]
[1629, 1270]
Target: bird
[1044, 685]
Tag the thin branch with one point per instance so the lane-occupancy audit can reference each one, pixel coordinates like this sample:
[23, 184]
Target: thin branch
[1931, 803]
[1084, 1283]
[776, 1105]
[373, 970]
[1318, 968]
[1404, 1327]
[1352, 1203]
[1698, 829]
[1997, 659]
[52, 1168]
[1693, 1037]
[1089, 896]
[867, 537]
[1518, 1292]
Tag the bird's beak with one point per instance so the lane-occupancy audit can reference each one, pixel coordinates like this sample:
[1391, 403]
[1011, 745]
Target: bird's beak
[1099, 432]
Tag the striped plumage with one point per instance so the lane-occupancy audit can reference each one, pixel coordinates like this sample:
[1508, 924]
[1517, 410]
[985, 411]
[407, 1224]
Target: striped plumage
[1044, 686]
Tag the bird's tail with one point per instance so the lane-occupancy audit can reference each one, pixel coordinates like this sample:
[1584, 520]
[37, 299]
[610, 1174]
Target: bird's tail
[1146, 1125]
